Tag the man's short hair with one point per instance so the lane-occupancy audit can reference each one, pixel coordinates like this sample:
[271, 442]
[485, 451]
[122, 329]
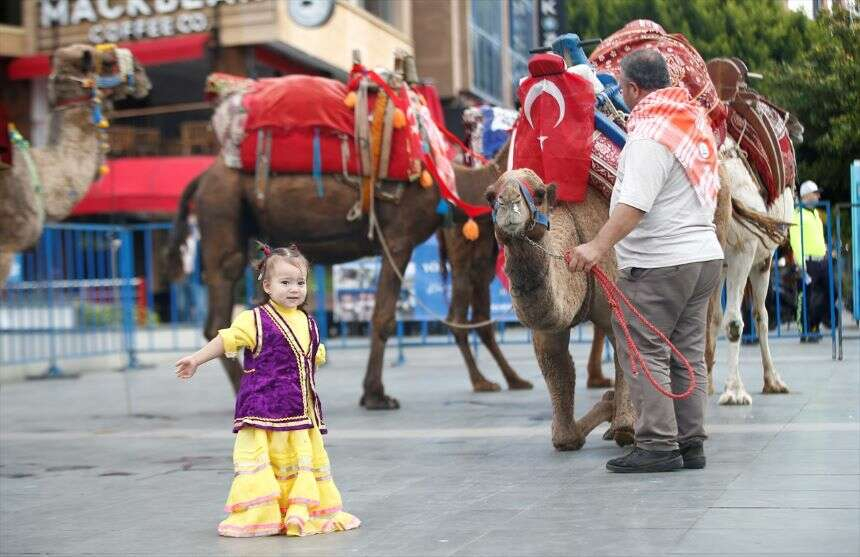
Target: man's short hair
[647, 69]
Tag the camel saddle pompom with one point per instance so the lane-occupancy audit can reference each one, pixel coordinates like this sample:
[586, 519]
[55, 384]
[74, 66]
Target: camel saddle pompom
[350, 99]
[426, 179]
[399, 119]
[103, 170]
[470, 230]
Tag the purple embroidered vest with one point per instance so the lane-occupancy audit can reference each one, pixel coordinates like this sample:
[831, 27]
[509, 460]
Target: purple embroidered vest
[278, 383]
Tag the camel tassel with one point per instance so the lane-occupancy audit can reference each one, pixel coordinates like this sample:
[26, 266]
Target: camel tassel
[103, 170]
[426, 179]
[350, 99]
[470, 230]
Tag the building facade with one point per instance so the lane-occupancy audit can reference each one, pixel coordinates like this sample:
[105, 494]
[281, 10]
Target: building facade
[473, 50]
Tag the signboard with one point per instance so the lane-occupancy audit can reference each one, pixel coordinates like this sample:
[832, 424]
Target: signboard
[551, 20]
[124, 20]
[423, 296]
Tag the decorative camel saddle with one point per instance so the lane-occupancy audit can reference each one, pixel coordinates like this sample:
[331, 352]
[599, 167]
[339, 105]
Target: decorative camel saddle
[759, 127]
[302, 124]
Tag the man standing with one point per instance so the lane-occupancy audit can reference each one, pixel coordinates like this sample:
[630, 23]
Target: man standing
[669, 258]
[810, 249]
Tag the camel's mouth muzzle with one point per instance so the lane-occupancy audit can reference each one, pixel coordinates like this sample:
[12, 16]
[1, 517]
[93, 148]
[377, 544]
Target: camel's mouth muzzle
[517, 215]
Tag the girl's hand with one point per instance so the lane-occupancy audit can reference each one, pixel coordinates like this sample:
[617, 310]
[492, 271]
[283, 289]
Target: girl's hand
[186, 367]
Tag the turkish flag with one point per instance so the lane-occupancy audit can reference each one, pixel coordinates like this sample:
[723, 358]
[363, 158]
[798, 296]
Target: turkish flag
[553, 135]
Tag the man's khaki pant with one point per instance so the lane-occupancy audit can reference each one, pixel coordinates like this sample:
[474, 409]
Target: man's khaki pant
[675, 300]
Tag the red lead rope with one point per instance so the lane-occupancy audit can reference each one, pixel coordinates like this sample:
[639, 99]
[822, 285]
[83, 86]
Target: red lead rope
[614, 296]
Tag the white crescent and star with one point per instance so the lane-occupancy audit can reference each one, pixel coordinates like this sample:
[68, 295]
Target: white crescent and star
[551, 89]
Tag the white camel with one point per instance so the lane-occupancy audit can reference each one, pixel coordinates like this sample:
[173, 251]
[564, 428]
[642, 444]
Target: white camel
[753, 233]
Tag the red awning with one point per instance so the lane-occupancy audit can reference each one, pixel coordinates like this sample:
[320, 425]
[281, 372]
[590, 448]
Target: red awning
[148, 53]
[142, 185]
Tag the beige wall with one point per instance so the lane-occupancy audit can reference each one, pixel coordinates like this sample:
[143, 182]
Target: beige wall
[13, 41]
[349, 28]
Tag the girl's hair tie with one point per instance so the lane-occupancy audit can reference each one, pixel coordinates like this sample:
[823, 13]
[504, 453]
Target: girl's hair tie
[267, 251]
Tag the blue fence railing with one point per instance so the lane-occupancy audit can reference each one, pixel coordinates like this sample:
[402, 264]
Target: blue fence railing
[95, 290]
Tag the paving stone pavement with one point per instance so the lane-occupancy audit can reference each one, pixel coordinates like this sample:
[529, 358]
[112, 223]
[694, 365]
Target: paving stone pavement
[451, 473]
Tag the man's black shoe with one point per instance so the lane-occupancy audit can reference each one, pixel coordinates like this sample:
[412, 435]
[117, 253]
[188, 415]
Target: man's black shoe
[693, 454]
[643, 460]
[811, 339]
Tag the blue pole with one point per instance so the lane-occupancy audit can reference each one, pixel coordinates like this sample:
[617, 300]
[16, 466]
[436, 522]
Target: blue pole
[777, 293]
[322, 316]
[830, 281]
[804, 299]
[839, 271]
[401, 359]
[127, 296]
[48, 246]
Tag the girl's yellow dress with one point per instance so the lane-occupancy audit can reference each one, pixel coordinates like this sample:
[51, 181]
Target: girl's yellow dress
[283, 481]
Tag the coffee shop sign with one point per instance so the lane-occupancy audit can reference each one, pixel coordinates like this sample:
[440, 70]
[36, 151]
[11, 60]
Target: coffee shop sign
[123, 20]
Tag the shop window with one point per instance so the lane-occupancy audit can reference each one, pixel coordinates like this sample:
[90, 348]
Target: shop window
[10, 13]
[485, 30]
[522, 39]
[386, 10]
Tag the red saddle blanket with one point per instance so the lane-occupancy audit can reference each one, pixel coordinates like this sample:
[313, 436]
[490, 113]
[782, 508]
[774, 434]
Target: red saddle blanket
[292, 107]
[686, 67]
[775, 165]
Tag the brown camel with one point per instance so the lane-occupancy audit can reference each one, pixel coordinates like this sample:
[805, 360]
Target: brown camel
[473, 265]
[229, 215]
[550, 300]
[45, 183]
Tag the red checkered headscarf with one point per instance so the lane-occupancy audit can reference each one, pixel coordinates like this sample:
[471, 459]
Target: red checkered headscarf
[670, 117]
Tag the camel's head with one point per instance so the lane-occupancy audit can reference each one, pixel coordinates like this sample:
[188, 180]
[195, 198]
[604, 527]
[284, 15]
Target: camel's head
[521, 204]
[77, 69]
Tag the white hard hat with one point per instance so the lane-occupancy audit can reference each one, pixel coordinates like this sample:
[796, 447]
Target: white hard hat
[808, 187]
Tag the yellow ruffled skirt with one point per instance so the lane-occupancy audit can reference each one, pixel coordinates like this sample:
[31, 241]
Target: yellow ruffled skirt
[283, 484]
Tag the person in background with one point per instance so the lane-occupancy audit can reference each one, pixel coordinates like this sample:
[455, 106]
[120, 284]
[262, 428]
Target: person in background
[810, 250]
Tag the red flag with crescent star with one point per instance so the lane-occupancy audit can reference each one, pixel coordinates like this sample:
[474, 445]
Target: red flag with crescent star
[553, 135]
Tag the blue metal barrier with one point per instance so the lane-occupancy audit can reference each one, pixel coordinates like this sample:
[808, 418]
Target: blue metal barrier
[91, 290]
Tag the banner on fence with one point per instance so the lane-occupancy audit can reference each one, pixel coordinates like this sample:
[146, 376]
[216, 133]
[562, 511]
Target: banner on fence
[423, 297]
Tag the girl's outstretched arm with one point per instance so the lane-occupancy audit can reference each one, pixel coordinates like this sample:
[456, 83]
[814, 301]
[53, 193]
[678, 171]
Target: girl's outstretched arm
[186, 367]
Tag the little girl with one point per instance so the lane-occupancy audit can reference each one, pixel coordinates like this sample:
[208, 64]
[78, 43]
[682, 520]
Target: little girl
[283, 481]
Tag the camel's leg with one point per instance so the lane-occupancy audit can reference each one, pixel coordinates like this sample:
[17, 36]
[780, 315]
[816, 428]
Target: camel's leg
[713, 329]
[551, 349]
[481, 312]
[624, 415]
[219, 284]
[223, 253]
[760, 280]
[739, 265]
[596, 379]
[458, 313]
[383, 323]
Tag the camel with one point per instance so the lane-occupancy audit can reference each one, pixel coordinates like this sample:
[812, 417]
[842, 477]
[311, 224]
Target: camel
[46, 183]
[473, 265]
[550, 300]
[229, 216]
[748, 256]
